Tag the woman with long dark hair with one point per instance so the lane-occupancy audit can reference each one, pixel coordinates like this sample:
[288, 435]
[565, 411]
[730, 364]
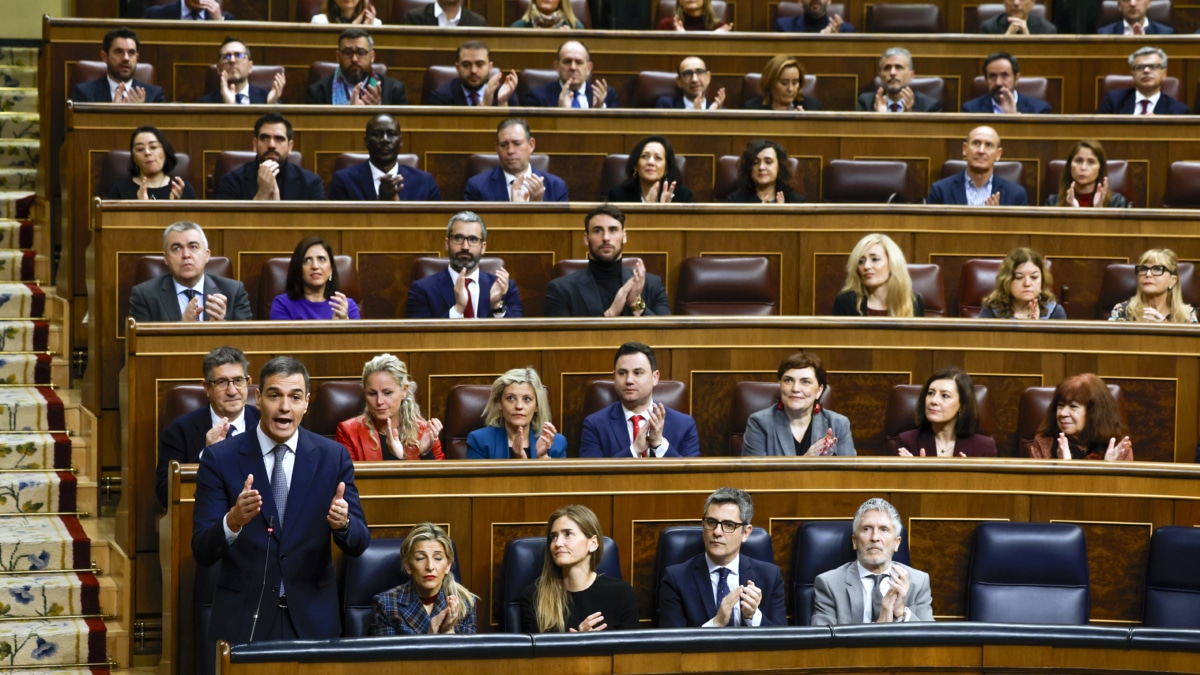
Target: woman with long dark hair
[764, 176]
[652, 175]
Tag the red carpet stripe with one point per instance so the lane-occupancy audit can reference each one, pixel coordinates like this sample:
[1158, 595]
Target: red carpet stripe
[89, 593]
[25, 235]
[41, 336]
[27, 265]
[81, 547]
[37, 303]
[62, 451]
[24, 207]
[67, 490]
[95, 641]
[56, 415]
[41, 370]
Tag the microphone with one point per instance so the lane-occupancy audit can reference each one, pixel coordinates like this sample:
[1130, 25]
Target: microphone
[266, 559]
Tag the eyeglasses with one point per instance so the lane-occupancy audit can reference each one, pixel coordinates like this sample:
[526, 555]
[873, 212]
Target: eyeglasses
[351, 53]
[1147, 66]
[1152, 270]
[728, 525]
[235, 56]
[697, 72]
[469, 240]
[223, 382]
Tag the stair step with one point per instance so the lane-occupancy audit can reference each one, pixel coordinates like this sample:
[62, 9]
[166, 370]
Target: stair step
[52, 594]
[18, 99]
[18, 76]
[18, 178]
[18, 56]
[18, 154]
[19, 125]
[17, 204]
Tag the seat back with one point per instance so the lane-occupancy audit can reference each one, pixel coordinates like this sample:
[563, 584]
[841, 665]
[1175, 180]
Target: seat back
[849, 181]
[1012, 172]
[1028, 573]
[477, 164]
[436, 76]
[752, 87]
[1035, 403]
[1183, 186]
[927, 280]
[464, 414]
[1172, 587]
[319, 70]
[401, 8]
[333, 402]
[260, 76]
[613, 173]
[578, 7]
[272, 281]
[975, 282]
[232, 160]
[572, 265]
[1120, 284]
[602, 393]
[886, 18]
[820, 546]
[749, 398]
[86, 71]
[727, 175]
[349, 159]
[522, 565]
[116, 163]
[532, 78]
[651, 85]
[719, 286]
[1118, 178]
[679, 543]
[361, 578]
[1170, 86]
[902, 411]
[427, 266]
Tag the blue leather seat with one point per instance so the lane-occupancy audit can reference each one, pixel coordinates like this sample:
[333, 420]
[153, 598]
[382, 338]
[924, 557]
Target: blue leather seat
[360, 579]
[1028, 573]
[1172, 587]
[679, 543]
[820, 546]
[522, 565]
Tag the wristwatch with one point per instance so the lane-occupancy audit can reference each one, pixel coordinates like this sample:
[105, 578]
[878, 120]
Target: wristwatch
[500, 309]
[639, 305]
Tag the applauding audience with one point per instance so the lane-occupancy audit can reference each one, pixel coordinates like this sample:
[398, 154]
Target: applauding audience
[781, 84]
[1082, 422]
[947, 420]
[431, 602]
[877, 282]
[798, 426]
[391, 427]
[549, 14]
[348, 11]
[1159, 297]
[764, 176]
[518, 421]
[1023, 289]
[654, 175]
[694, 15]
[151, 161]
[312, 286]
[1085, 183]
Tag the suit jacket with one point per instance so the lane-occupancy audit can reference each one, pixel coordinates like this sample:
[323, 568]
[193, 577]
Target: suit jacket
[546, 96]
[578, 295]
[491, 186]
[605, 434]
[998, 25]
[257, 95]
[295, 183]
[299, 554]
[1123, 101]
[175, 11]
[1118, 28]
[800, 24]
[354, 183]
[156, 300]
[921, 102]
[975, 445]
[424, 17]
[392, 92]
[96, 91]
[843, 305]
[363, 444]
[953, 190]
[838, 596]
[1026, 105]
[492, 443]
[769, 433]
[183, 441]
[399, 612]
[433, 297]
[451, 93]
[686, 598]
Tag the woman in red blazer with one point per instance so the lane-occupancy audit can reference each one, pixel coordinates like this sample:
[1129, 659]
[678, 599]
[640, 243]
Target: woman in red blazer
[391, 427]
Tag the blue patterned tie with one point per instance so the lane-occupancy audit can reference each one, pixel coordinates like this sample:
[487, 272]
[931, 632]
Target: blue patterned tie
[722, 585]
[575, 100]
[243, 99]
[279, 486]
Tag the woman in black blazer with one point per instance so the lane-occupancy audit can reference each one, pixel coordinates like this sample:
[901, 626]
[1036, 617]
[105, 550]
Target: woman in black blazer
[877, 282]
[947, 420]
[764, 176]
[652, 175]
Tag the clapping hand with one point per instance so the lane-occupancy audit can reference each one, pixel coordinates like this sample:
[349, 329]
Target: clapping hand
[835, 25]
[824, 446]
[1119, 451]
[340, 306]
[892, 606]
[593, 622]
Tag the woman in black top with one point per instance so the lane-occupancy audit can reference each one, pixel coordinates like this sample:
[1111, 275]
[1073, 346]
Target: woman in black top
[570, 596]
[782, 80]
[877, 282]
[653, 175]
[764, 176]
[151, 162]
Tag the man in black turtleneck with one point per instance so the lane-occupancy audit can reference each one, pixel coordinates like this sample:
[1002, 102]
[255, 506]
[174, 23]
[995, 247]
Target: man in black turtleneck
[607, 287]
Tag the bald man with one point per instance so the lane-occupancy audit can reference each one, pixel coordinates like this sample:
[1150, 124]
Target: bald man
[978, 184]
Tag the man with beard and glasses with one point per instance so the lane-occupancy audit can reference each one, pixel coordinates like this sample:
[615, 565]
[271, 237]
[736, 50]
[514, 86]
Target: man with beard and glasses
[120, 54]
[1003, 72]
[476, 84]
[383, 178]
[270, 177]
[515, 180]
[896, 95]
[815, 19]
[606, 287]
[354, 82]
[463, 290]
[234, 65]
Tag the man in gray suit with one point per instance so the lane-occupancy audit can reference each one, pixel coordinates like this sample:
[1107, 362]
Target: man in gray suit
[896, 95]
[185, 292]
[872, 589]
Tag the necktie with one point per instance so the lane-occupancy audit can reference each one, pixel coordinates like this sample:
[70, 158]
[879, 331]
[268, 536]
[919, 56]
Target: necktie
[243, 99]
[575, 100]
[279, 486]
[876, 596]
[637, 425]
[722, 584]
[469, 310]
[474, 98]
[894, 107]
[190, 293]
[1145, 103]
[195, 16]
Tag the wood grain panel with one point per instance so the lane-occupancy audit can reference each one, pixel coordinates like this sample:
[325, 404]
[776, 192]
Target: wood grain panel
[863, 398]
[645, 545]
[385, 286]
[501, 535]
[1150, 407]
[1124, 555]
[1005, 392]
[712, 401]
[944, 549]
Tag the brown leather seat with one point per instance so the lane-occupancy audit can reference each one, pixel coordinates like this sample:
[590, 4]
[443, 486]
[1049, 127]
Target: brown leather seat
[401, 8]
[477, 164]
[273, 281]
[927, 280]
[579, 7]
[1159, 10]
[532, 78]
[1012, 172]
[332, 402]
[1120, 284]
[749, 398]
[902, 410]
[885, 18]
[1170, 86]
[571, 265]
[651, 85]
[260, 76]
[86, 71]
[934, 87]
[991, 10]
[464, 414]
[850, 181]
[436, 76]
[752, 87]
[1183, 186]
[786, 10]
[1028, 85]
[727, 175]
[232, 160]
[182, 399]
[1035, 402]
[667, 8]
[1118, 178]
[719, 286]
[977, 280]
[427, 266]
[319, 70]
[307, 9]
[602, 393]
[349, 159]
[613, 173]
[115, 166]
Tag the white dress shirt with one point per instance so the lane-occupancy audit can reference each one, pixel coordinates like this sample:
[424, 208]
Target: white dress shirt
[509, 178]
[657, 452]
[1128, 28]
[474, 288]
[443, 20]
[1137, 102]
[377, 175]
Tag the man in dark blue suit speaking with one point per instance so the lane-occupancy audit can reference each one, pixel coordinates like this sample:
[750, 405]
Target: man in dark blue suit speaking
[463, 290]
[381, 177]
[636, 426]
[1003, 72]
[515, 180]
[119, 52]
[720, 587]
[978, 184]
[267, 504]
[1145, 97]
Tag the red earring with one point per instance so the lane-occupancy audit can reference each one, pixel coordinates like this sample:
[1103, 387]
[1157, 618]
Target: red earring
[817, 408]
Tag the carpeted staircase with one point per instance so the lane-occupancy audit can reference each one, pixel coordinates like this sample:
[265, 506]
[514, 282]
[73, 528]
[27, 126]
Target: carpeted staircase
[56, 602]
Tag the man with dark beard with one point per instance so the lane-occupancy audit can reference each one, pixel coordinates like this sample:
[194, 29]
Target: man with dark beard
[463, 290]
[269, 177]
[120, 55]
[896, 95]
[383, 178]
[606, 287]
[355, 82]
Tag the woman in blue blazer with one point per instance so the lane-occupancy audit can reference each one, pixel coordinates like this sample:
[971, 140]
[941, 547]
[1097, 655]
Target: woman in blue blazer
[518, 421]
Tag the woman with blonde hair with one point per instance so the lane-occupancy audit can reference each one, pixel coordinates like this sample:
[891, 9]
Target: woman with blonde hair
[431, 602]
[518, 421]
[1159, 297]
[877, 282]
[781, 85]
[549, 14]
[570, 596]
[1023, 289]
[391, 426]
[694, 15]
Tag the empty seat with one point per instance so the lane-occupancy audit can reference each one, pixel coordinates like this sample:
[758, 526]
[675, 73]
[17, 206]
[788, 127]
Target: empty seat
[361, 578]
[522, 565]
[260, 76]
[1172, 587]
[229, 161]
[578, 7]
[1028, 573]
[332, 402]
[613, 173]
[849, 181]
[1183, 186]
[1120, 284]
[749, 398]
[427, 266]
[927, 280]
[116, 163]
[719, 286]
[651, 85]
[1118, 178]
[976, 281]
[1035, 403]
[886, 18]
[818, 547]
[678, 544]
[902, 413]
[1012, 172]
[307, 9]
[602, 393]
[272, 281]
[463, 414]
